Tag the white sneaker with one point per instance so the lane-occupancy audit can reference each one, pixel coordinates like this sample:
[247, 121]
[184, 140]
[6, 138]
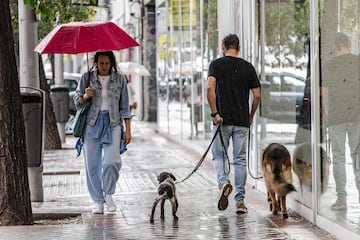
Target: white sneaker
[110, 204]
[98, 208]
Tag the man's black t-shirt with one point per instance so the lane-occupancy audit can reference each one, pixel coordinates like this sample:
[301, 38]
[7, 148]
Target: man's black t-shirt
[234, 79]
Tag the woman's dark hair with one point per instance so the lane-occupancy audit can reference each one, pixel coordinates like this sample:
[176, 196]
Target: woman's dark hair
[231, 41]
[111, 56]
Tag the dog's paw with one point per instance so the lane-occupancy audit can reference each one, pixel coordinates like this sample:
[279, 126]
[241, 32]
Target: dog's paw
[176, 218]
[285, 215]
[151, 220]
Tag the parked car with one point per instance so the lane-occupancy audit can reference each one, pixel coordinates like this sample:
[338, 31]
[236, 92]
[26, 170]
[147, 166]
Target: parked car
[282, 95]
[71, 80]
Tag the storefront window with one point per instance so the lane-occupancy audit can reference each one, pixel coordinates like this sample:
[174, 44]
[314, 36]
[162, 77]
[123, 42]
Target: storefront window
[284, 71]
[340, 110]
[187, 42]
[310, 102]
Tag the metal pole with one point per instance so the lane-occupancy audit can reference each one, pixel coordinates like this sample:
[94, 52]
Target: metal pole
[59, 80]
[29, 77]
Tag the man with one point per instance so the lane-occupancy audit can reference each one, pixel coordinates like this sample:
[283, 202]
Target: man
[342, 112]
[230, 80]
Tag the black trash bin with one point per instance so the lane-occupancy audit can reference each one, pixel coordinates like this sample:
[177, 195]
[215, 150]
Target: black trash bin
[60, 99]
[32, 106]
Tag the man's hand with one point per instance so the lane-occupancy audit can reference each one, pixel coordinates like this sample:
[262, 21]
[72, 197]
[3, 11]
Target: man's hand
[218, 119]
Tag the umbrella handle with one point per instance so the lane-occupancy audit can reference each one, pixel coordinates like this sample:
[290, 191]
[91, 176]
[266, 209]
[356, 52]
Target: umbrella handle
[87, 61]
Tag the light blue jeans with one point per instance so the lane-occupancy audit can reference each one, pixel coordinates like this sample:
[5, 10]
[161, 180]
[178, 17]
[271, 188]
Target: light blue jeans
[102, 159]
[338, 139]
[239, 136]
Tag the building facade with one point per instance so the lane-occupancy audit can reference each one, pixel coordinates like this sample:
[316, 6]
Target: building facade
[306, 53]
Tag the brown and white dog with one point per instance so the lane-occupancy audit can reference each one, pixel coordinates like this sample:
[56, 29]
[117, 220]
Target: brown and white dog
[166, 190]
[276, 167]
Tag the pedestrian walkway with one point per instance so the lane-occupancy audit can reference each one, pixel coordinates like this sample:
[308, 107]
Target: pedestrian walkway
[65, 193]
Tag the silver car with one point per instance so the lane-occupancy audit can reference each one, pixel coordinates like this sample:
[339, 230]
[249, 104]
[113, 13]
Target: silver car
[281, 96]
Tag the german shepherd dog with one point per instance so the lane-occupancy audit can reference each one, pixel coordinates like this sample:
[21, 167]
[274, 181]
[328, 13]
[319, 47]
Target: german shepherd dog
[302, 166]
[276, 167]
[166, 190]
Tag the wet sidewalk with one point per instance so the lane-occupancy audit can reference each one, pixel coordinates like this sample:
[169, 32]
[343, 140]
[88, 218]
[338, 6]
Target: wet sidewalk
[65, 193]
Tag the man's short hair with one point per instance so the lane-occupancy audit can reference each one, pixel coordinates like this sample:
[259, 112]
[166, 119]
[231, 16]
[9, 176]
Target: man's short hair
[231, 41]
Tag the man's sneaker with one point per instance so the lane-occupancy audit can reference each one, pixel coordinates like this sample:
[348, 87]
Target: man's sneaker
[110, 204]
[98, 208]
[224, 194]
[241, 209]
[339, 205]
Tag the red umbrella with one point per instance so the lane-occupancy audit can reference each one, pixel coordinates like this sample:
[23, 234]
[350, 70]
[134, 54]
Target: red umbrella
[84, 37]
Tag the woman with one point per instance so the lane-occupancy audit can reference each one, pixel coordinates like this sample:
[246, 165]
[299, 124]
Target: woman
[107, 91]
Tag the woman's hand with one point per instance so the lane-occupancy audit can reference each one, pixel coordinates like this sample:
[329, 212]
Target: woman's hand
[89, 93]
[127, 135]
[127, 139]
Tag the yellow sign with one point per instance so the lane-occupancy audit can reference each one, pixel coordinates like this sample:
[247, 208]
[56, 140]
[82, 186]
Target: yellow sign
[163, 47]
[180, 16]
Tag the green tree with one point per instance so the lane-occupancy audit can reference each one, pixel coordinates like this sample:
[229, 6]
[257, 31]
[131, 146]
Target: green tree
[211, 28]
[15, 205]
[287, 31]
[50, 14]
[54, 12]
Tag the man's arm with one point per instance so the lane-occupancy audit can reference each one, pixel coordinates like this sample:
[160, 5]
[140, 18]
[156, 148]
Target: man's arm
[255, 103]
[211, 97]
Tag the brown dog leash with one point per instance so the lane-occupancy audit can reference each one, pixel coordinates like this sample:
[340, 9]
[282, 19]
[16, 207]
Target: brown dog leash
[218, 131]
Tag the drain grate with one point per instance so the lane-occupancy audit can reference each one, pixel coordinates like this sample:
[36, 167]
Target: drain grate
[57, 218]
[61, 173]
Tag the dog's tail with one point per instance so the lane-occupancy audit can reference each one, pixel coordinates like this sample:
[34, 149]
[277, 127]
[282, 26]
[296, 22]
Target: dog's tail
[284, 188]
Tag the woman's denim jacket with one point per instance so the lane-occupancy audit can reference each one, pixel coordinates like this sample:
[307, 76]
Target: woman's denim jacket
[118, 97]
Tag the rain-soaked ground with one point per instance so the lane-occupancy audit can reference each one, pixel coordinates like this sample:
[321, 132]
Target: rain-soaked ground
[65, 192]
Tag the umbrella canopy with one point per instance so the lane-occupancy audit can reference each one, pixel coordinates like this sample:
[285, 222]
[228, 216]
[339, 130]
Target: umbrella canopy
[132, 68]
[84, 37]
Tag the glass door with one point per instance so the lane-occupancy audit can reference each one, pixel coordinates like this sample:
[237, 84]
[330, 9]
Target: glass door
[284, 72]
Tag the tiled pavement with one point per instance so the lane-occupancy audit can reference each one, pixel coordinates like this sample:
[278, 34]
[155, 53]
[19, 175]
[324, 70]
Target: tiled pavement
[150, 153]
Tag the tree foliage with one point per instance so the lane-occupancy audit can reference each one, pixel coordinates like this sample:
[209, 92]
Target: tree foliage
[210, 23]
[287, 31]
[349, 16]
[53, 12]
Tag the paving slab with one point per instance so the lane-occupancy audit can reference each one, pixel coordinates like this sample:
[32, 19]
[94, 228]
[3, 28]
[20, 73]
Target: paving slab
[149, 154]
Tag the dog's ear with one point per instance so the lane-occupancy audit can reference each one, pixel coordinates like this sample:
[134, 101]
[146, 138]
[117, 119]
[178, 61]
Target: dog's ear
[162, 176]
[172, 176]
